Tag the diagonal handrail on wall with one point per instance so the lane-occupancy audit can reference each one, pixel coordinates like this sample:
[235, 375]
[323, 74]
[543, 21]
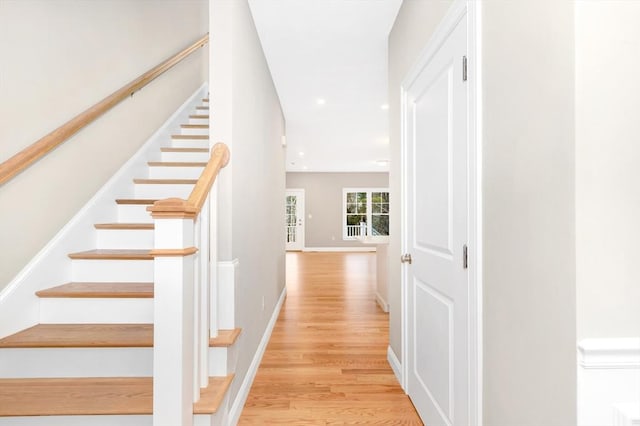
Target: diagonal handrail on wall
[40, 148]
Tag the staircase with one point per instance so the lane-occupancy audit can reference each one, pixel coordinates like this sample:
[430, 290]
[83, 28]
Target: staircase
[90, 359]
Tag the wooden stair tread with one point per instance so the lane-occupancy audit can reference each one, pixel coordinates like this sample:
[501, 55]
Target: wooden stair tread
[199, 116]
[202, 107]
[176, 164]
[199, 137]
[113, 254]
[172, 149]
[124, 201]
[225, 338]
[95, 396]
[165, 181]
[81, 336]
[99, 290]
[96, 336]
[211, 397]
[124, 226]
[194, 126]
[205, 99]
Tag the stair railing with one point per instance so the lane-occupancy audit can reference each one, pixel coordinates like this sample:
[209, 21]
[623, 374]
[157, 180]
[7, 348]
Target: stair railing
[182, 297]
[41, 147]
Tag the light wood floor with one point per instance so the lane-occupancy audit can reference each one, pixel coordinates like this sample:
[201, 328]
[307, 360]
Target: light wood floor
[326, 362]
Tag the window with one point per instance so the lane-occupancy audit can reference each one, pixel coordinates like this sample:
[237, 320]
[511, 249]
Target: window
[365, 212]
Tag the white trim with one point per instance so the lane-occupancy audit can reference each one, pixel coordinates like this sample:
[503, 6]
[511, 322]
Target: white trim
[243, 392]
[474, 112]
[474, 64]
[384, 305]
[18, 304]
[300, 235]
[609, 353]
[369, 191]
[393, 361]
[226, 280]
[626, 414]
[339, 249]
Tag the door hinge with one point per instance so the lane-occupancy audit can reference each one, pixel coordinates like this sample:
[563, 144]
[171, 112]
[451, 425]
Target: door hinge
[465, 257]
[464, 68]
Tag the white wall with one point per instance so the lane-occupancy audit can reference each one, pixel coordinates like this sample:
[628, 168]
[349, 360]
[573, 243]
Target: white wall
[414, 25]
[58, 58]
[529, 213]
[607, 168]
[248, 117]
[323, 201]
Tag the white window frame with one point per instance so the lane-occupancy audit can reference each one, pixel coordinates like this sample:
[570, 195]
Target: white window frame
[345, 235]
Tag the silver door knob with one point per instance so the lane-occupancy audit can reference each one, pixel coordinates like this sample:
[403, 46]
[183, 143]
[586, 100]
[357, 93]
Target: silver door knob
[406, 258]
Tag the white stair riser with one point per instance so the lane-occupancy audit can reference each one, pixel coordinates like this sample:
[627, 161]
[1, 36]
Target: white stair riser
[90, 270]
[203, 110]
[185, 156]
[75, 362]
[175, 172]
[194, 131]
[190, 143]
[102, 420]
[92, 362]
[124, 238]
[218, 362]
[96, 310]
[198, 121]
[134, 213]
[223, 360]
[160, 191]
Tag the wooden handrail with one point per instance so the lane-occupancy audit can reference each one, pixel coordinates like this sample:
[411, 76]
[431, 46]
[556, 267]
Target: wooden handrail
[190, 208]
[41, 147]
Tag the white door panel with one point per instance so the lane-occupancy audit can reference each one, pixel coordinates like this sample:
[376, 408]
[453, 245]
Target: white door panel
[435, 149]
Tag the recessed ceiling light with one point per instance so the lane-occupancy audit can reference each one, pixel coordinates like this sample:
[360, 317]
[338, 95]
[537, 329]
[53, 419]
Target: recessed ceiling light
[382, 163]
[321, 101]
[301, 154]
[384, 106]
[304, 167]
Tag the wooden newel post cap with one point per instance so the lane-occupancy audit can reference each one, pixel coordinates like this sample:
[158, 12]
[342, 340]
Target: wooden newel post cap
[173, 208]
[221, 150]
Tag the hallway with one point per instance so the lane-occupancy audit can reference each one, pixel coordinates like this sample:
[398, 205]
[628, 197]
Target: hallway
[326, 360]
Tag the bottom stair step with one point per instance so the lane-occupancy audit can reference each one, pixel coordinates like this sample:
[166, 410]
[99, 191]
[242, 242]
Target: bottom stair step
[94, 396]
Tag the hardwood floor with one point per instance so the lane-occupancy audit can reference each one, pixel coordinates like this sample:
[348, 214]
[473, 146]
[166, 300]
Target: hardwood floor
[326, 362]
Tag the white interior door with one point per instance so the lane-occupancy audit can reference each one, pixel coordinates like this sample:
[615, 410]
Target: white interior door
[435, 135]
[294, 219]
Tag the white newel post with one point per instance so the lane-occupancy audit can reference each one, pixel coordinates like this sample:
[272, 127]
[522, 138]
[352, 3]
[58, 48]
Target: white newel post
[173, 354]
[182, 314]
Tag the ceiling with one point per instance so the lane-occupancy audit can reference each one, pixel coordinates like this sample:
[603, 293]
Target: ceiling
[328, 59]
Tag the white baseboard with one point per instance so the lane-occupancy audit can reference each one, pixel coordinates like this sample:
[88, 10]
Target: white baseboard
[395, 364]
[243, 392]
[382, 303]
[339, 249]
